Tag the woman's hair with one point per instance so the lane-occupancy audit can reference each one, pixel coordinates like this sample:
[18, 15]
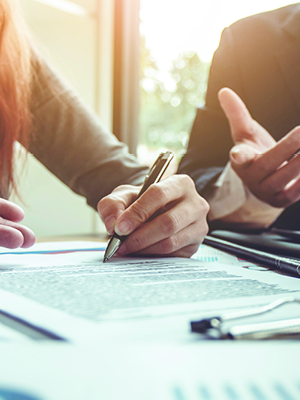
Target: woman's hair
[15, 83]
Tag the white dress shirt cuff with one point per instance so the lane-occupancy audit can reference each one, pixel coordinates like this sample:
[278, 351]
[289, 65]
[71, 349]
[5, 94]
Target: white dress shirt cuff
[231, 201]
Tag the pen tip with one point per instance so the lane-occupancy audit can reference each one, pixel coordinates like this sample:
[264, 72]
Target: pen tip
[105, 259]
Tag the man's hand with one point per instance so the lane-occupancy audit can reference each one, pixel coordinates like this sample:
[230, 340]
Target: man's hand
[12, 234]
[270, 169]
[168, 219]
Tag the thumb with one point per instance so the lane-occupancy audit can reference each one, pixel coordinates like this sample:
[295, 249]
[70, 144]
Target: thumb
[240, 121]
[241, 156]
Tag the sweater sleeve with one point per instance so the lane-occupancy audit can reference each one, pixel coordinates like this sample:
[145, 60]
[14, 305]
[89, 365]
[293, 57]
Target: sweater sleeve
[70, 141]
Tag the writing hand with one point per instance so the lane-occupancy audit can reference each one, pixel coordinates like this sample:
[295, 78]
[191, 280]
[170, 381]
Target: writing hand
[270, 169]
[168, 219]
[13, 234]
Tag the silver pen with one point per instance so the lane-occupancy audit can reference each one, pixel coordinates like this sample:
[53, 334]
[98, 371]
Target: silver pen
[156, 172]
[216, 328]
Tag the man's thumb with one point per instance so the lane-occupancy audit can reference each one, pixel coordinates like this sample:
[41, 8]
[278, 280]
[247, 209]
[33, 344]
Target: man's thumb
[241, 156]
[238, 116]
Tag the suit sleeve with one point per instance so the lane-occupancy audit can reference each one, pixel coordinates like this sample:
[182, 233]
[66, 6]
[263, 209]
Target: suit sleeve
[210, 139]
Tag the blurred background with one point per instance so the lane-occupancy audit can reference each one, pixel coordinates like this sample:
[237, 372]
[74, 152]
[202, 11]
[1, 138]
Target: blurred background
[141, 66]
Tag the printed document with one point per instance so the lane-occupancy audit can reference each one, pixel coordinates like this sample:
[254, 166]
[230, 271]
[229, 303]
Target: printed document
[67, 288]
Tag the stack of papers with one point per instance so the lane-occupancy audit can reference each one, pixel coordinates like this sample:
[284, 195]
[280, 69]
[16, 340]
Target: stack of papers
[65, 288]
[74, 327]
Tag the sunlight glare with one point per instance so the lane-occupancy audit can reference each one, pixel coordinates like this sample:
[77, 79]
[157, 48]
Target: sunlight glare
[173, 26]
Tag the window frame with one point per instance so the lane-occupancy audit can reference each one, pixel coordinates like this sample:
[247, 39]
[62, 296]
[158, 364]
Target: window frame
[126, 80]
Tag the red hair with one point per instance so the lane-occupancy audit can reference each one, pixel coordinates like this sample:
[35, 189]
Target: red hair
[15, 77]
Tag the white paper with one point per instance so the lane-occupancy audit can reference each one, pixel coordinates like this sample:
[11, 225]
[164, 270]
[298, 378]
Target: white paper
[198, 371]
[77, 296]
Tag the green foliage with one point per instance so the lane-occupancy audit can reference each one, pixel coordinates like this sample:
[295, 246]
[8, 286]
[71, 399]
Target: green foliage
[169, 101]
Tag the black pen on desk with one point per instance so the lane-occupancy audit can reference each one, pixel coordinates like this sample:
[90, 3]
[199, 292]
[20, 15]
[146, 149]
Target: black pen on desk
[290, 234]
[287, 265]
[156, 172]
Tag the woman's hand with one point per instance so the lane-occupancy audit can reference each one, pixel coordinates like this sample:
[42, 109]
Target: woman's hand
[12, 234]
[168, 219]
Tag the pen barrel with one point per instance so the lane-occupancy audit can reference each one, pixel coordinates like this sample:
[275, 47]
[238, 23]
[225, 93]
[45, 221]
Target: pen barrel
[267, 330]
[288, 265]
[121, 238]
[284, 264]
[157, 170]
[155, 174]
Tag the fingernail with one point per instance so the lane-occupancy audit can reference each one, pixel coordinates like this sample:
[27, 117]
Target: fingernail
[123, 227]
[110, 224]
[236, 156]
[242, 155]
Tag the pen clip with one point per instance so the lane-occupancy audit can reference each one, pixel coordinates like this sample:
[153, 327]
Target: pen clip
[154, 165]
[157, 170]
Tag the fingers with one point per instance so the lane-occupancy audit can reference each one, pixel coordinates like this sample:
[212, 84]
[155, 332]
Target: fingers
[11, 211]
[266, 175]
[237, 114]
[270, 170]
[177, 188]
[244, 129]
[183, 224]
[271, 160]
[182, 244]
[282, 188]
[14, 235]
[28, 236]
[241, 156]
[283, 151]
[284, 175]
[10, 237]
[288, 196]
[112, 206]
[170, 217]
[156, 197]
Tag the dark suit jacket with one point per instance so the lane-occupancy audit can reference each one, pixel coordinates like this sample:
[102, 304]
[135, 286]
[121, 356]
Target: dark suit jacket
[259, 58]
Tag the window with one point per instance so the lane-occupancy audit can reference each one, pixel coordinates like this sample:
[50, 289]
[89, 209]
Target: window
[76, 36]
[178, 39]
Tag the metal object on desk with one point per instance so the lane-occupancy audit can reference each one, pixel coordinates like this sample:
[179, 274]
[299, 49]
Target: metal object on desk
[284, 329]
[32, 331]
[287, 233]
